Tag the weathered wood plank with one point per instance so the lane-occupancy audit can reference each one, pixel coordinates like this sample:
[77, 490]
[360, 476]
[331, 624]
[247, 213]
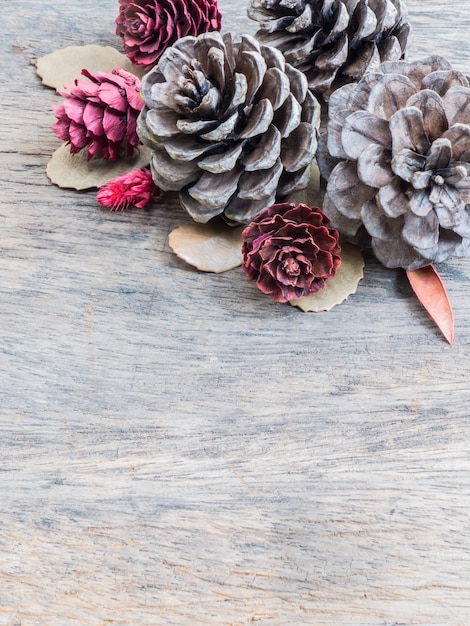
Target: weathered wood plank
[175, 448]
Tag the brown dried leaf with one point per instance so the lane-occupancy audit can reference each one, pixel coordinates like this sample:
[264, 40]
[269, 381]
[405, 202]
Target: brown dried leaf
[63, 66]
[430, 290]
[213, 247]
[75, 172]
[341, 286]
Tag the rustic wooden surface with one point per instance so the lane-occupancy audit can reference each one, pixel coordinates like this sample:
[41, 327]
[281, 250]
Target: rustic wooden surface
[175, 448]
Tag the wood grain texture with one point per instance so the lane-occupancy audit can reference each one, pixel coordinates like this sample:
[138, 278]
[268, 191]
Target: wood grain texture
[175, 448]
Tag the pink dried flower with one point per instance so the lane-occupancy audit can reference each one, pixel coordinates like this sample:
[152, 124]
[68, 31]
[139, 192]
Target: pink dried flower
[290, 251]
[100, 115]
[134, 188]
[148, 27]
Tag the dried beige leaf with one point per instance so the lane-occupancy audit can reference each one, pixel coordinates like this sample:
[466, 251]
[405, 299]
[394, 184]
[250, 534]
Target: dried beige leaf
[63, 66]
[75, 172]
[209, 247]
[341, 286]
[311, 195]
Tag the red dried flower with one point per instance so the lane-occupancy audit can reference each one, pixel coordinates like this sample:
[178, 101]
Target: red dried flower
[148, 27]
[101, 114]
[290, 251]
[134, 188]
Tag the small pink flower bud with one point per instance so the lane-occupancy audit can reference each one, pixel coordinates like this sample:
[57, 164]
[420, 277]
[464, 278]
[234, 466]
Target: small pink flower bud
[134, 188]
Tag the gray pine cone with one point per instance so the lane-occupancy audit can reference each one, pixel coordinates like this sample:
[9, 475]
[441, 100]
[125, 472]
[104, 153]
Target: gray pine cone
[397, 159]
[332, 41]
[233, 127]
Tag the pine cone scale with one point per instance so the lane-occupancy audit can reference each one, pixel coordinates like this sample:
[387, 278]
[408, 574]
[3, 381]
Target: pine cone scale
[215, 190]
[288, 116]
[260, 184]
[276, 87]
[165, 176]
[348, 191]
[361, 129]
[434, 115]
[299, 148]
[407, 131]
[186, 148]
[253, 67]
[336, 56]
[457, 105]
[374, 166]
[389, 96]
[218, 164]
[265, 154]
[302, 21]
[365, 22]
[421, 232]
[377, 225]
[222, 131]
[259, 120]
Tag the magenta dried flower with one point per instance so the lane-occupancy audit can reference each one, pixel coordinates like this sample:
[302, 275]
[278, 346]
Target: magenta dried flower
[148, 27]
[100, 115]
[290, 251]
[134, 188]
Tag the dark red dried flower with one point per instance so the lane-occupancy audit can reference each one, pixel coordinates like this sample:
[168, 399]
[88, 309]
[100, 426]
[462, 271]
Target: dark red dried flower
[134, 188]
[290, 251]
[148, 27]
[101, 114]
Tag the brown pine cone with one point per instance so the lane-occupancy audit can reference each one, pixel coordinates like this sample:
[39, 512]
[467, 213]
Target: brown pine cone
[398, 162]
[332, 41]
[233, 127]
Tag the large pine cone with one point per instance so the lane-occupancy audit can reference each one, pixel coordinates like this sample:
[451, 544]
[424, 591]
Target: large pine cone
[232, 125]
[400, 139]
[333, 42]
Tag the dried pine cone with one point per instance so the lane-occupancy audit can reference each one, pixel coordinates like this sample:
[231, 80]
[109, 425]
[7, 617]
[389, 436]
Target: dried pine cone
[232, 125]
[148, 27]
[400, 139]
[332, 41]
[100, 115]
[290, 251]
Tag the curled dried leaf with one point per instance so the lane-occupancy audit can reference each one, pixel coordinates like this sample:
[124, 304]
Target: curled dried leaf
[340, 286]
[75, 172]
[214, 247]
[430, 291]
[63, 66]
